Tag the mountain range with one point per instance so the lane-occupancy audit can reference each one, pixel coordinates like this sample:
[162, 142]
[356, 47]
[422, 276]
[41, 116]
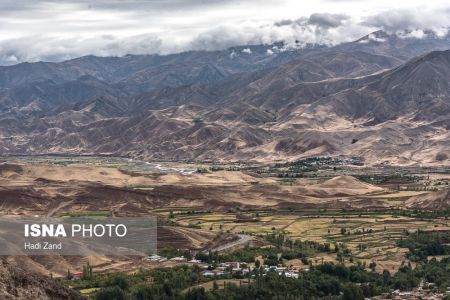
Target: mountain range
[384, 99]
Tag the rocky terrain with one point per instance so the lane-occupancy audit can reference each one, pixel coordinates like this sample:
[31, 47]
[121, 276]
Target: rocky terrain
[18, 283]
[382, 98]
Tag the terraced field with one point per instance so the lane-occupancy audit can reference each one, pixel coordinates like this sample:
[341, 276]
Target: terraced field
[370, 237]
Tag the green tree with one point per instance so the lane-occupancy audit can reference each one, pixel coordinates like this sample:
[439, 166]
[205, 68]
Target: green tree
[110, 293]
[143, 292]
[87, 271]
[257, 264]
[352, 292]
[120, 280]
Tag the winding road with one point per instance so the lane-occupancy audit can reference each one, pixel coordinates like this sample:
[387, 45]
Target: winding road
[243, 238]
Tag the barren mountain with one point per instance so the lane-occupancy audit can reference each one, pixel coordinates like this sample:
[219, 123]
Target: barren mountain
[383, 98]
[43, 85]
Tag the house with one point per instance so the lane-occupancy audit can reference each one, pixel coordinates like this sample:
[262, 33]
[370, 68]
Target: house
[232, 264]
[179, 259]
[291, 274]
[156, 258]
[195, 261]
[77, 275]
[269, 268]
[212, 273]
[245, 271]
[298, 267]
[208, 274]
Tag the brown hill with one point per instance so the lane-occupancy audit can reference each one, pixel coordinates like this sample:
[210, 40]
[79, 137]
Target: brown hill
[341, 186]
[347, 182]
[430, 201]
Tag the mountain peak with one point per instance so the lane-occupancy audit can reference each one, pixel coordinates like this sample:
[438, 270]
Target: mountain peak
[376, 36]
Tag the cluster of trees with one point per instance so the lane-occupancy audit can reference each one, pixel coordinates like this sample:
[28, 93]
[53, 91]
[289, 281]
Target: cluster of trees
[171, 252]
[284, 249]
[380, 179]
[290, 175]
[323, 280]
[167, 283]
[87, 271]
[312, 285]
[331, 280]
[444, 213]
[422, 244]
[344, 231]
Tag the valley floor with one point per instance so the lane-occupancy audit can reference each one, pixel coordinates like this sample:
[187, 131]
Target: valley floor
[227, 207]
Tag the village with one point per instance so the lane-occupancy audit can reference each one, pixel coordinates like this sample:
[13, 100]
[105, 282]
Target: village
[234, 268]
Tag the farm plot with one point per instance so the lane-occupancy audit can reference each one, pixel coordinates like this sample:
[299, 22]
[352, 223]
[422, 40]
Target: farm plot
[370, 237]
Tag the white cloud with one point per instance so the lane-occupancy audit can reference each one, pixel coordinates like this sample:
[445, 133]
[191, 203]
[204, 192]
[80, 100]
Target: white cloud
[56, 30]
[415, 34]
[413, 19]
[247, 51]
[33, 49]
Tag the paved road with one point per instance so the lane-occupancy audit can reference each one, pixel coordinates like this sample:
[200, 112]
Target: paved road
[243, 238]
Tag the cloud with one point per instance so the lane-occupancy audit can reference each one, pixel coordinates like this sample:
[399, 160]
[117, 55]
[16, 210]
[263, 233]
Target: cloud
[323, 20]
[294, 33]
[57, 30]
[284, 23]
[326, 20]
[412, 19]
[323, 28]
[57, 49]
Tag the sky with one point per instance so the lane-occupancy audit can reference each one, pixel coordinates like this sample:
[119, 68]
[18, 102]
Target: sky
[32, 30]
